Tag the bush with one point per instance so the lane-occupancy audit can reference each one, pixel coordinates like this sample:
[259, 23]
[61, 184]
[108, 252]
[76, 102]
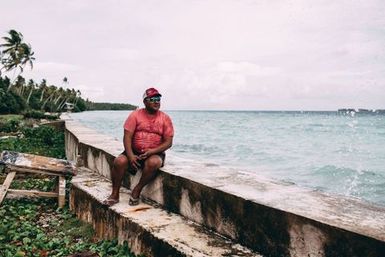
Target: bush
[8, 126]
[32, 227]
[44, 134]
[40, 115]
[11, 102]
[43, 140]
[34, 114]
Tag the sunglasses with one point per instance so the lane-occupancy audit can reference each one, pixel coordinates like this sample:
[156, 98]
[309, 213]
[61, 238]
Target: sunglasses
[154, 99]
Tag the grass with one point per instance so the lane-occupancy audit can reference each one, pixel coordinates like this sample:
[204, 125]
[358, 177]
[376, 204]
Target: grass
[7, 117]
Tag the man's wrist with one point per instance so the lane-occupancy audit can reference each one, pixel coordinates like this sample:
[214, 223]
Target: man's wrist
[130, 155]
[153, 151]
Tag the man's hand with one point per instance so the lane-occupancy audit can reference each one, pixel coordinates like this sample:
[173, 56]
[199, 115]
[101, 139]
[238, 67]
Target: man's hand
[146, 154]
[134, 161]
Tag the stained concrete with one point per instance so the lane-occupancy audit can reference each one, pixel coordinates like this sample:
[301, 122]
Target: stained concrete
[147, 229]
[271, 217]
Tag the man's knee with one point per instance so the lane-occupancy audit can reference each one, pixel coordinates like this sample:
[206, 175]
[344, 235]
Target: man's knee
[154, 162]
[121, 162]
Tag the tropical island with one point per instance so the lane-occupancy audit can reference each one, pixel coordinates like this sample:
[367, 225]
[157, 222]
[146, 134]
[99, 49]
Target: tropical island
[19, 95]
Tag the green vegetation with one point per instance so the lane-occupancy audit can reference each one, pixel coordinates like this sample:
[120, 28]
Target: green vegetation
[16, 53]
[40, 115]
[42, 140]
[109, 106]
[35, 227]
[10, 123]
[21, 96]
[10, 102]
[17, 95]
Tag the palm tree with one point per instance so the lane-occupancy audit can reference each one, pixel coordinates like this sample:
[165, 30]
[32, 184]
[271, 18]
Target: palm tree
[31, 85]
[78, 94]
[60, 93]
[51, 90]
[17, 54]
[67, 96]
[19, 84]
[12, 45]
[43, 87]
[61, 90]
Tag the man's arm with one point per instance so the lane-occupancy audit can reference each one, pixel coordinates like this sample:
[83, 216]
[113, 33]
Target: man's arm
[166, 144]
[127, 142]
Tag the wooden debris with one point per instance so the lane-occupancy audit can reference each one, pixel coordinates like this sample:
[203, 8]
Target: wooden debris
[37, 164]
[6, 184]
[20, 163]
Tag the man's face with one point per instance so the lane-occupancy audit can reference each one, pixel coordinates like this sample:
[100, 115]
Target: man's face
[152, 103]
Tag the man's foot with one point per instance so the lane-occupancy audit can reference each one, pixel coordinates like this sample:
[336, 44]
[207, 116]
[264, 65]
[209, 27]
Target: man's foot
[133, 201]
[110, 201]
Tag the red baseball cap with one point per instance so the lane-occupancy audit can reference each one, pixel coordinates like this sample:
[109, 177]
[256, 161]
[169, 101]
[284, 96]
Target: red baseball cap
[150, 92]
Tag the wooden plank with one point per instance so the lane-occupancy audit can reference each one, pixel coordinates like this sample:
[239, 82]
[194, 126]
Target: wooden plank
[37, 162]
[62, 192]
[6, 184]
[33, 193]
[18, 169]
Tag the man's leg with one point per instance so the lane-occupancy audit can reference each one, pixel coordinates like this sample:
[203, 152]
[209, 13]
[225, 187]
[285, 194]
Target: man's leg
[151, 165]
[117, 173]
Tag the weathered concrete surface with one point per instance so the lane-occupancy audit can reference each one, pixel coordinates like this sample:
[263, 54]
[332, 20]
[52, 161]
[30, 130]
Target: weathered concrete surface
[57, 124]
[148, 230]
[271, 217]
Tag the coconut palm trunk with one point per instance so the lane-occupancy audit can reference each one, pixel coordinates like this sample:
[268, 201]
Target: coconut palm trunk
[29, 95]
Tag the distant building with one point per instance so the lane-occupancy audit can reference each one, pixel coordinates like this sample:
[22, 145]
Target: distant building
[69, 106]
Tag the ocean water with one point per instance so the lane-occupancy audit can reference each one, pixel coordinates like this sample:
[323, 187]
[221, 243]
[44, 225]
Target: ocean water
[327, 151]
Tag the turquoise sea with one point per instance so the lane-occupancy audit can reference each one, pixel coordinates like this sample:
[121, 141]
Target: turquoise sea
[328, 151]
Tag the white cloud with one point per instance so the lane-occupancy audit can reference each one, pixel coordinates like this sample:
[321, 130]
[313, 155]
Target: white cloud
[229, 54]
[121, 54]
[49, 67]
[90, 92]
[246, 68]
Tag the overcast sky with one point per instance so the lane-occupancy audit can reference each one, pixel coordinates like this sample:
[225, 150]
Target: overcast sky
[225, 54]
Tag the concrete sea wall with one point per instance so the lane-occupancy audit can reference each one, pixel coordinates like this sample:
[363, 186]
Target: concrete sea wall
[271, 217]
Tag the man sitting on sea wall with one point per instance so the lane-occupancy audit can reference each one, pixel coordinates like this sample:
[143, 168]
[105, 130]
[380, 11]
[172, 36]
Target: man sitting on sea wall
[148, 133]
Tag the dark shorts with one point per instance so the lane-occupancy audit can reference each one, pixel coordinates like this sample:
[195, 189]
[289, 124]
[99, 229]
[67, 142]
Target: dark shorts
[141, 162]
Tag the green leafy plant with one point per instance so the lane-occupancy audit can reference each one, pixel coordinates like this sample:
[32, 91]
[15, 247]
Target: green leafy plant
[40, 115]
[33, 227]
[9, 125]
[42, 140]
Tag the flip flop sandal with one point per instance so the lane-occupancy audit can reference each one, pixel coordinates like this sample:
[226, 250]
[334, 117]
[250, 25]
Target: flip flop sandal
[110, 202]
[133, 201]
